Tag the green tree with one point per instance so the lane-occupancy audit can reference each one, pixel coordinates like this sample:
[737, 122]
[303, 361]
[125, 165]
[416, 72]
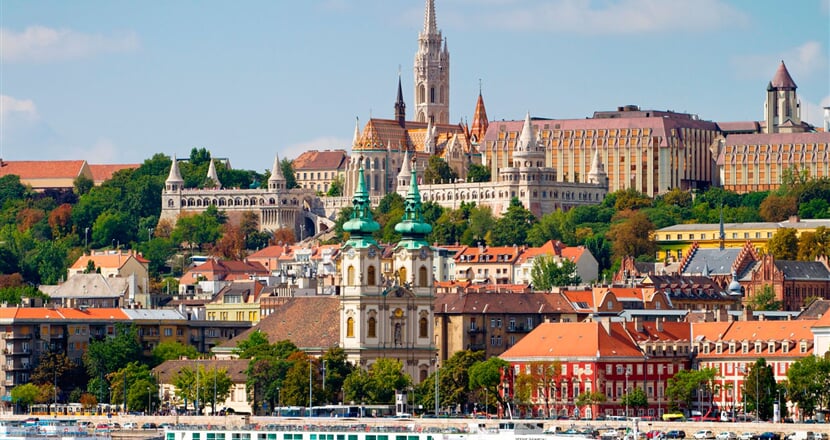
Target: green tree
[813, 244]
[336, 187]
[11, 189]
[46, 263]
[677, 197]
[478, 173]
[513, 226]
[814, 208]
[111, 228]
[454, 383]
[287, 168]
[487, 375]
[56, 368]
[631, 235]
[357, 385]
[295, 389]
[157, 251]
[765, 299]
[776, 208]
[682, 387]
[635, 398]
[808, 384]
[25, 394]
[784, 244]
[114, 353]
[590, 398]
[14, 295]
[548, 272]
[438, 171]
[199, 229]
[631, 199]
[378, 384]
[131, 383]
[336, 369]
[760, 389]
[171, 350]
[480, 225]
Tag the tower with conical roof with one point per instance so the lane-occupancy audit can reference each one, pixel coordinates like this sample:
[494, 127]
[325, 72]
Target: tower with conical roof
[782, 110]
[277, 180]
[480, 122]
[432, 72]
[171, 197]
[597, 175]
[212, 178]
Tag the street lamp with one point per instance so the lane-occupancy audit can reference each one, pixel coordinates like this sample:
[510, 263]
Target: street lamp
[310, 396]
[437, 375]
[627, 396]
[149, 407]
[279, 403]
[86, 237]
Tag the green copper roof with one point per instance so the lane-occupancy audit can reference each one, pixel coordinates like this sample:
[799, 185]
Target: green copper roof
[412, 228]
[361, 226]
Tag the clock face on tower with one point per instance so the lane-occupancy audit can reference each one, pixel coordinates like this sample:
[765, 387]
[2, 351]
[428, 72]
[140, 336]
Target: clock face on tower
[350, 252]
[372, 252]
[423, 253]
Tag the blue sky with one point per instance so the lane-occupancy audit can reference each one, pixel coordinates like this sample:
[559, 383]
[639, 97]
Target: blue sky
[117, 81]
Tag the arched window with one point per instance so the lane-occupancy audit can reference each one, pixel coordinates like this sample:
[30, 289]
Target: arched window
[371, 327]
[422, 328]
[422, 277]
[350, 276]
[350, 327]
[402, 275]
[371, 276]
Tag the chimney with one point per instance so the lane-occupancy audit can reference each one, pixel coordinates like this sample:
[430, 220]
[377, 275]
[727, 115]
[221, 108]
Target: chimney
[606, 324]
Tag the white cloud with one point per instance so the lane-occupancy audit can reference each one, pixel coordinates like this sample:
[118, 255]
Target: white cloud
[607, 17]
[103, 150]
[802, 61]
[12, 108]
[44, 44]
[814, 113]
[320, 143]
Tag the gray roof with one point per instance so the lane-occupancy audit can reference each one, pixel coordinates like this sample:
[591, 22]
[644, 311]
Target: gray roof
[803, 270]
[800, 224]
[88, 285]
[715, 261]
[165, 314]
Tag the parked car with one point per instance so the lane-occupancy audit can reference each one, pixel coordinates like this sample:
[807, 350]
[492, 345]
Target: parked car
[151, 425]
[676, 433]
[727, 435]
[746, 436]
[659, 435]
[704, 434]
[768, 435]
[130, 425]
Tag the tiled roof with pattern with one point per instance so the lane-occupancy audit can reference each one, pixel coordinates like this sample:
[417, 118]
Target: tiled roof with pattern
[308, 322]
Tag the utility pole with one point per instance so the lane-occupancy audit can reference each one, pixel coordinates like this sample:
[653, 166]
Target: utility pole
[309, 386]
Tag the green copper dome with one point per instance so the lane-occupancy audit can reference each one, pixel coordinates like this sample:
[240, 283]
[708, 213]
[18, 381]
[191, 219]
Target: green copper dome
[361, 226]
[412, 228]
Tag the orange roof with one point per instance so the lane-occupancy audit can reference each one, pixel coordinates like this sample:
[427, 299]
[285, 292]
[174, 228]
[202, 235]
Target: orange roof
[549, 248]
[580, 296]
[101, 173]
[770, 330]
[824, 321]
[671, 331]
[268, 252]
[574, 339]
[42, 169]
[36, 313]
[710, 331]
[573, 253]
[474, 254]
[107, 260]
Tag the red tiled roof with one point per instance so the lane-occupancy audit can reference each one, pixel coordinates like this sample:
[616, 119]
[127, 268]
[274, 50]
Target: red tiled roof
[574, 339]
[42, 169]
[740, 126]
[101, 173]
[45, 313]
[474, 254]
[501, 302]
[308, 322]
[320, 160]
[109, 260]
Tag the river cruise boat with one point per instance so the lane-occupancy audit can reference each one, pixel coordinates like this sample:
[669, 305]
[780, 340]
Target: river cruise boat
[47, 429]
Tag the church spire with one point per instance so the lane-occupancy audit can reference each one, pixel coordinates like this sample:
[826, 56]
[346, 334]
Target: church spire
[400, 107]
[361, 226]
[597, 174]
[356, 137]
[277, 180]
[412, 227]
[429, 18]
[480, 122]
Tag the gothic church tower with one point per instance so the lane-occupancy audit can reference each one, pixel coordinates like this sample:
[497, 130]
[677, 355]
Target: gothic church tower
[432, 72]
[782, 110]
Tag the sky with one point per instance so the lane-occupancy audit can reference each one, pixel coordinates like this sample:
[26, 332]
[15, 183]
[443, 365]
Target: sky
[113, 81]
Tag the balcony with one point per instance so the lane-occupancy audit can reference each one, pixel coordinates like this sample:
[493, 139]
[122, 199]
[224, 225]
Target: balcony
[478, 347]
[17, 351]
[476, 330]
[518, 329]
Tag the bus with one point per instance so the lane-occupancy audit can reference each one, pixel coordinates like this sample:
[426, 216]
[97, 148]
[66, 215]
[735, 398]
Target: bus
[673, 417]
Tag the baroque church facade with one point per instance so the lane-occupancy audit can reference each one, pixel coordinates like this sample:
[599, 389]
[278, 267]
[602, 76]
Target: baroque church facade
[386, 312]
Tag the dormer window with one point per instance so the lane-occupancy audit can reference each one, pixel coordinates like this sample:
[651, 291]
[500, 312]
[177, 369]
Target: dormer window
[757, 347]
[718, 348]
[745, 347]
[803, 347]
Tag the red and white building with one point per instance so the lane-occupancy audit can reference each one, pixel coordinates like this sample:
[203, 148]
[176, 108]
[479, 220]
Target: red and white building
[560, 361]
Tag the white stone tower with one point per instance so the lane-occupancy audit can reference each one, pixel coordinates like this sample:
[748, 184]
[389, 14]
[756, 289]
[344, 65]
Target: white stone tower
[432, 72]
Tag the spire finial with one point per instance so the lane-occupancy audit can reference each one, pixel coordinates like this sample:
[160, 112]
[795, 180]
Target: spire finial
[429, 17]
[479, 87]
